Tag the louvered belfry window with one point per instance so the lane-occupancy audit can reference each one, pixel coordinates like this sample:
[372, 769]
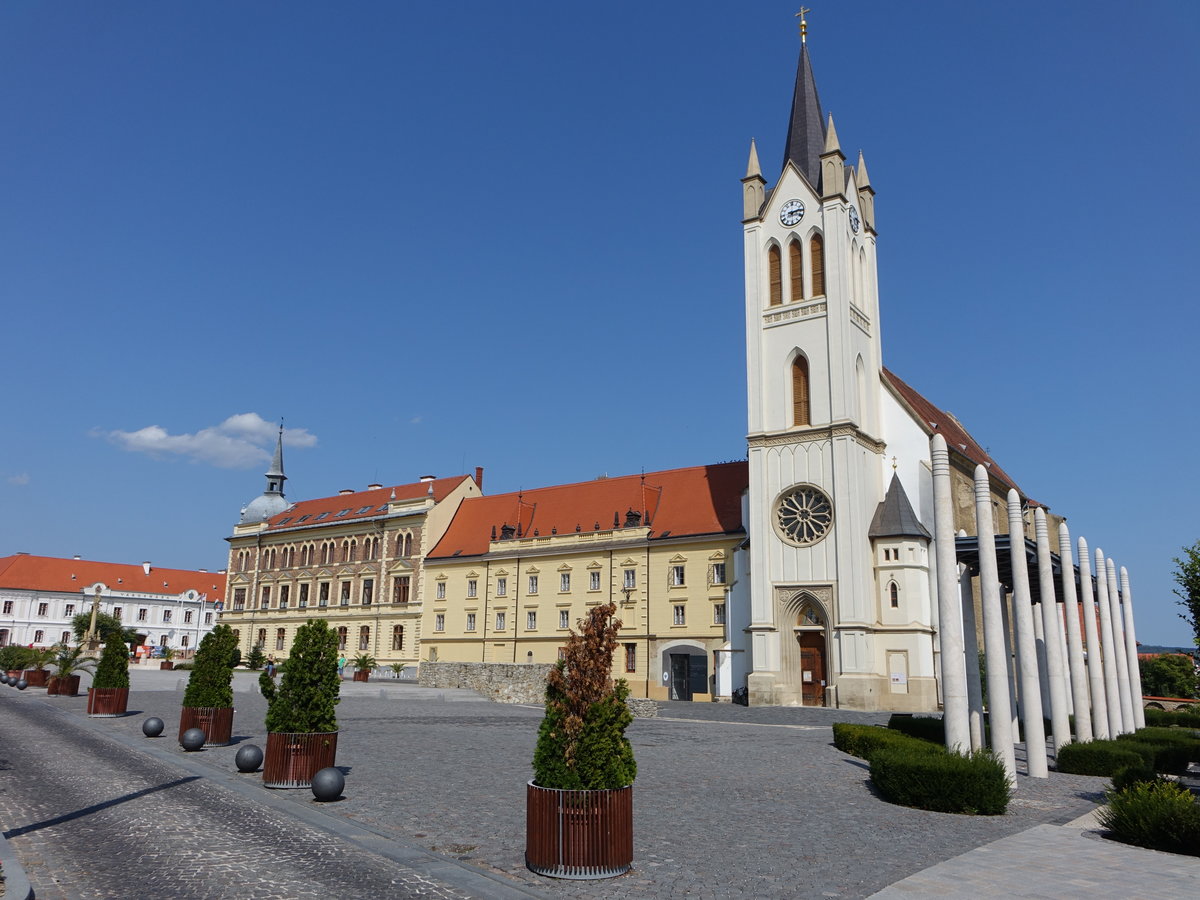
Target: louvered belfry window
[796, 270]
[776, 275]
[800, 391]
[816, 252]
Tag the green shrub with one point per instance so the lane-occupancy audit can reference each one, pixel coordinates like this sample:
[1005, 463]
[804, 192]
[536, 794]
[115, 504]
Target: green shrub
[182, 667]
[1173, 748]
[863, 740]
[1103, 757]
[305, 700]
[1185, 718]
[927, 728]
[113, 669]
[210, 684]
[1159, 815]
[14, 657]
[257, 659]
[942, 782]
[581, 742]
[1127, 776]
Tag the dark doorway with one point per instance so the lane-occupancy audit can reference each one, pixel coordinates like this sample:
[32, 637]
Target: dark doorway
[812, 668]
[681, 683]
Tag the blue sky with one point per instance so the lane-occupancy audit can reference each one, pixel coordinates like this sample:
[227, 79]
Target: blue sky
[438, 236]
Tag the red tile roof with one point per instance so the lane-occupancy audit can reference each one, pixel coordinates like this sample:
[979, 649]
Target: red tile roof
[360, 504]
[48, 573]
[938, 421]
[675, 503]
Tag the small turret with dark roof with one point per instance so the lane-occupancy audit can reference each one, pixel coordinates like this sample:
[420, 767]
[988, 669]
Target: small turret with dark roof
[895, 518]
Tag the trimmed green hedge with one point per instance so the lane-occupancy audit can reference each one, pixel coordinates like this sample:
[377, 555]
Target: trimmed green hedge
[1159, 815]
[864, 740]
[1127, 776]
[975, 784]
[1103, 757]
[1186, 718]
[1173, 748]
[927, 728]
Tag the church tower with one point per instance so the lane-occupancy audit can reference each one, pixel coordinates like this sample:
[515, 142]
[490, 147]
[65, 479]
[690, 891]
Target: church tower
[815, 447]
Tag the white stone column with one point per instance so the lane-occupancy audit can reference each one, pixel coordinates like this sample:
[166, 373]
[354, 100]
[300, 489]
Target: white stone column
[956, 714]
[1039, 635]
[1010, 661]
[1135, 672]
[1079, 684]
[998, 698]
[1112, 690]
[1095, 665]
[971, 658]
[1031, 695]
[1060, 723]
[1118, 626]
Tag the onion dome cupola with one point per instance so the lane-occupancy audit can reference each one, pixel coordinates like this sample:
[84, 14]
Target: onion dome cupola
[270, 502]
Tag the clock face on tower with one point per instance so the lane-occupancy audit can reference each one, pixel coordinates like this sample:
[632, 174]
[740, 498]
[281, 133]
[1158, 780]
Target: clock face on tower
[791, 212]
[854, 220]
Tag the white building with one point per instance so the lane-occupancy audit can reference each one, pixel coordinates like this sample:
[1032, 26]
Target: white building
[840, 560]
[39, 596]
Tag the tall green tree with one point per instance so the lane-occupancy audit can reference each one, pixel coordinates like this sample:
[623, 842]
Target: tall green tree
[1187, 576]
[1169, 675]
[107, 625]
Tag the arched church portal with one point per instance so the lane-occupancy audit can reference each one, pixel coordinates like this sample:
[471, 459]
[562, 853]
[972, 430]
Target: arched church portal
[806, 658]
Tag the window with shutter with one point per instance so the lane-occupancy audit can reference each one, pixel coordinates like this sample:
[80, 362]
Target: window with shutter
[796, 270]
[816, 253]
[800, 414]
[776, 275]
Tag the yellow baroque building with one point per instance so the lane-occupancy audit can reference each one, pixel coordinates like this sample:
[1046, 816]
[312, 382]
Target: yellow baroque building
[514, 573]
[353, 559]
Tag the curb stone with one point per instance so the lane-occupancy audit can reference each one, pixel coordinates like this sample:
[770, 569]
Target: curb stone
[16, 883]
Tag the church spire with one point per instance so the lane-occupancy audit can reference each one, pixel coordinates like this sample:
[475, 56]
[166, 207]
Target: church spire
[806, 128]
[275, 476]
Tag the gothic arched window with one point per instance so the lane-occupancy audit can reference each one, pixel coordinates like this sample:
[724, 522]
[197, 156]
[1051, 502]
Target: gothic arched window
[894, 595]
[800, 413]
[796, 270]
[775, 274]
[816, 253]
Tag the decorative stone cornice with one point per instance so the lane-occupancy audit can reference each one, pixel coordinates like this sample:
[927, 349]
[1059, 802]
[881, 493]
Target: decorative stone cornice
[795, 311]
[823, 433]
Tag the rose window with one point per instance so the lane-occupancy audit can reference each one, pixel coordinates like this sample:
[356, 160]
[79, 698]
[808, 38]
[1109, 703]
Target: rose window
[803, 516]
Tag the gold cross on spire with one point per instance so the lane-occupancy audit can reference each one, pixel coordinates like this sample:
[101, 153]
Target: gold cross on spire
[803, 23]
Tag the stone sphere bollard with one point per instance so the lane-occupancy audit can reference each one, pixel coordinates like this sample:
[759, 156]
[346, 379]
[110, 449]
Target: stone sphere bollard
[328, 784]
[21, 684]
[3, 678]
[248, 758]
[153, 727]
[192, 739]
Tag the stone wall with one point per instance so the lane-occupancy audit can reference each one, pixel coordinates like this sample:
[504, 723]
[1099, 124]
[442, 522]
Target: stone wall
[508, 683]
[502, 682]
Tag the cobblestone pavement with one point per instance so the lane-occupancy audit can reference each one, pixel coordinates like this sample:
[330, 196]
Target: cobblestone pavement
[729, 801]
[91, 819]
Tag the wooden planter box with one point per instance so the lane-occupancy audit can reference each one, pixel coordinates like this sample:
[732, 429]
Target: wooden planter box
[578, 834]
[215, 721]
[166, 665]
[107, 702]
[362, 674]
[292, 760]
[13, 673]
[63, 687]
[36, 677]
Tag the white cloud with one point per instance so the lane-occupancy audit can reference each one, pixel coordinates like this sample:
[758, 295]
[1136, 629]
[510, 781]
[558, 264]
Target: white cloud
[415, 420]
[21, 479]
[241, 441]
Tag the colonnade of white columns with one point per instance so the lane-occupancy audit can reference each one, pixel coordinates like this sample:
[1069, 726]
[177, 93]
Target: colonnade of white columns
[1062, 669]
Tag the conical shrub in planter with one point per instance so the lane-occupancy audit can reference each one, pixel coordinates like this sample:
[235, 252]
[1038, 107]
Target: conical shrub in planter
[301, 718]
[208, 699]
[109, 694]
[579, 805]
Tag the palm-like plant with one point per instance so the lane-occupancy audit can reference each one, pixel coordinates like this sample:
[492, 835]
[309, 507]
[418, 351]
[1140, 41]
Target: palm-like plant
[70, 660]
[364, 661]
[40, 657]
